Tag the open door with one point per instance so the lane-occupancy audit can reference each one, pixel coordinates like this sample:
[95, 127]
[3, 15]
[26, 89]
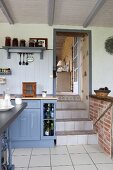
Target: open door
[76, 63]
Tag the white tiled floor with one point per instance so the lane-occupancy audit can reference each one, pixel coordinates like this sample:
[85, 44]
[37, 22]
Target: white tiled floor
[78, 157]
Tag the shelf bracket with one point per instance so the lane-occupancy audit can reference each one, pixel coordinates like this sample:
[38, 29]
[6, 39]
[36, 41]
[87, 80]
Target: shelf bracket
[8, 54]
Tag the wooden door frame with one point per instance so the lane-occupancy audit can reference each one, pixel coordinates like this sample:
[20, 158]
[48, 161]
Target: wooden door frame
[88, 32]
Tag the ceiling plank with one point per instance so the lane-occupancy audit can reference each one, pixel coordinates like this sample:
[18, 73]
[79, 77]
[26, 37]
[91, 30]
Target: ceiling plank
[51, 12]
[6, 12]
[92, 14]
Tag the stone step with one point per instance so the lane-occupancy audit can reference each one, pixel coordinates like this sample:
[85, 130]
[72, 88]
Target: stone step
[73, 124]
[75, 132]
[76, 137]
[70, 104]
[71, 113]
[68, 97]
[74, 119]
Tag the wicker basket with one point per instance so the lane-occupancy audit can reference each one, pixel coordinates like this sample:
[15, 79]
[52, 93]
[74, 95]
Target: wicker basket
[102, 93]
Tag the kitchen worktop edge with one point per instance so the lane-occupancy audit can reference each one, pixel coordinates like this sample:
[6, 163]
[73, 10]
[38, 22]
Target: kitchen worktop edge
[38, 97]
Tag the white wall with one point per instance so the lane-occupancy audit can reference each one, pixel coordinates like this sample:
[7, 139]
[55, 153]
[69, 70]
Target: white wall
[102, 67]
[39, 71]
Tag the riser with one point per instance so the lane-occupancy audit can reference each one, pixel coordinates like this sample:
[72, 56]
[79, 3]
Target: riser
[71, 105]
[77, 139]
[63, 114]
[74, 125]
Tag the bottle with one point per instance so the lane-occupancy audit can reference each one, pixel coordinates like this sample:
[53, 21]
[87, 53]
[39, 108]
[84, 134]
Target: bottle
[52, 128]
[48, 111]
[48, 114]
[46, 131]
[52, 113]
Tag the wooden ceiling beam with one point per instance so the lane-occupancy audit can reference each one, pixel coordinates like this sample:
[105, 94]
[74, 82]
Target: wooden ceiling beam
[51, 10]
[6, 12]
[93, 13]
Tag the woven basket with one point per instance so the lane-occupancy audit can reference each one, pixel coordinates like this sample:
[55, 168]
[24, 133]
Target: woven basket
[102, 93]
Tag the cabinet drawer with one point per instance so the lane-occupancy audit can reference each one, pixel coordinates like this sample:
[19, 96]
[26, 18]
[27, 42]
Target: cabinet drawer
[32, 103]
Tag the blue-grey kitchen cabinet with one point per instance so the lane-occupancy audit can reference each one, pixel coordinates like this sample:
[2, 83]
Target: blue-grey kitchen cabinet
[27, 125]
[28, 129]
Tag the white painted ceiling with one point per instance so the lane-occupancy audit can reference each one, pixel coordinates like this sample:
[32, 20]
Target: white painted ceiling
[57, 12]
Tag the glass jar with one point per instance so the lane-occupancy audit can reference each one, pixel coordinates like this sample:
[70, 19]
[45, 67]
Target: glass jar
[7, 41]
[15, 42]
[22, 43]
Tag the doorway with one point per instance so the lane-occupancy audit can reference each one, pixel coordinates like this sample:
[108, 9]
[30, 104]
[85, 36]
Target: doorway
[72, 62]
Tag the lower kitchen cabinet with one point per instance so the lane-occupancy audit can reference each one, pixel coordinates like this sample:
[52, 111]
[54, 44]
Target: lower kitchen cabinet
[35, 127]
[27, 125]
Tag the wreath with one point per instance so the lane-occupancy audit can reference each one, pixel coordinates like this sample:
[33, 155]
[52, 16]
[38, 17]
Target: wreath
[109, 45]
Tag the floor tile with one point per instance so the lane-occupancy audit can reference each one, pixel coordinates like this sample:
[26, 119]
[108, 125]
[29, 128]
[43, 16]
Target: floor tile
[40, 160]
[63, 168]
[40, 151]
[21, 161]
[79, 159]
[59, 150]
[76, 149]
[84, 167]
[40, 168]
[104, 166]
[57, 160]
[93, 148]
[22, 151]
[100, 158]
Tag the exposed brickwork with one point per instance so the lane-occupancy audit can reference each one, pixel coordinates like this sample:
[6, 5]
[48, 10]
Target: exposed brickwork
[104, 126]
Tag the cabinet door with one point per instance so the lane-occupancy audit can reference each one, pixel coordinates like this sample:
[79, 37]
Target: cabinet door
[34, 122]
[15, 129]
[48, 109]
[27, 126]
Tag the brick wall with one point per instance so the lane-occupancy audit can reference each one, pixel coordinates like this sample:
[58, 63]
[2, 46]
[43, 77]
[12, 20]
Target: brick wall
[104, 126]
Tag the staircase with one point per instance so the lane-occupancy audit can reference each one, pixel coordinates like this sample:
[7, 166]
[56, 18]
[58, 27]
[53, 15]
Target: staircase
[72, 123]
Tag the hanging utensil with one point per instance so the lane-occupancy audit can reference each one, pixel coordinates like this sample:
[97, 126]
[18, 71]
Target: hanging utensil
[30, 58]
[20, 59]
[27, 59]
[23, 59]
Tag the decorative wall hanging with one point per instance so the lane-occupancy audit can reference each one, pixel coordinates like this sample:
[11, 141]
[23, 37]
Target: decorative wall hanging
[109, 45]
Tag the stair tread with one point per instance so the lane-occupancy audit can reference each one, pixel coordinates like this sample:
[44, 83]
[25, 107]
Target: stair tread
[75, 132]
[72, 119]
[68, 109]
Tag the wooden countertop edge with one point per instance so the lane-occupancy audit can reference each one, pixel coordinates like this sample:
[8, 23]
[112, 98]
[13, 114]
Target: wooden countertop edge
[37, 98]
[108, 98]
[33, 98]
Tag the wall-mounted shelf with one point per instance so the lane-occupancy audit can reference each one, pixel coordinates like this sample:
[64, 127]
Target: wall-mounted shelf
[5, 71]
[11, 49]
